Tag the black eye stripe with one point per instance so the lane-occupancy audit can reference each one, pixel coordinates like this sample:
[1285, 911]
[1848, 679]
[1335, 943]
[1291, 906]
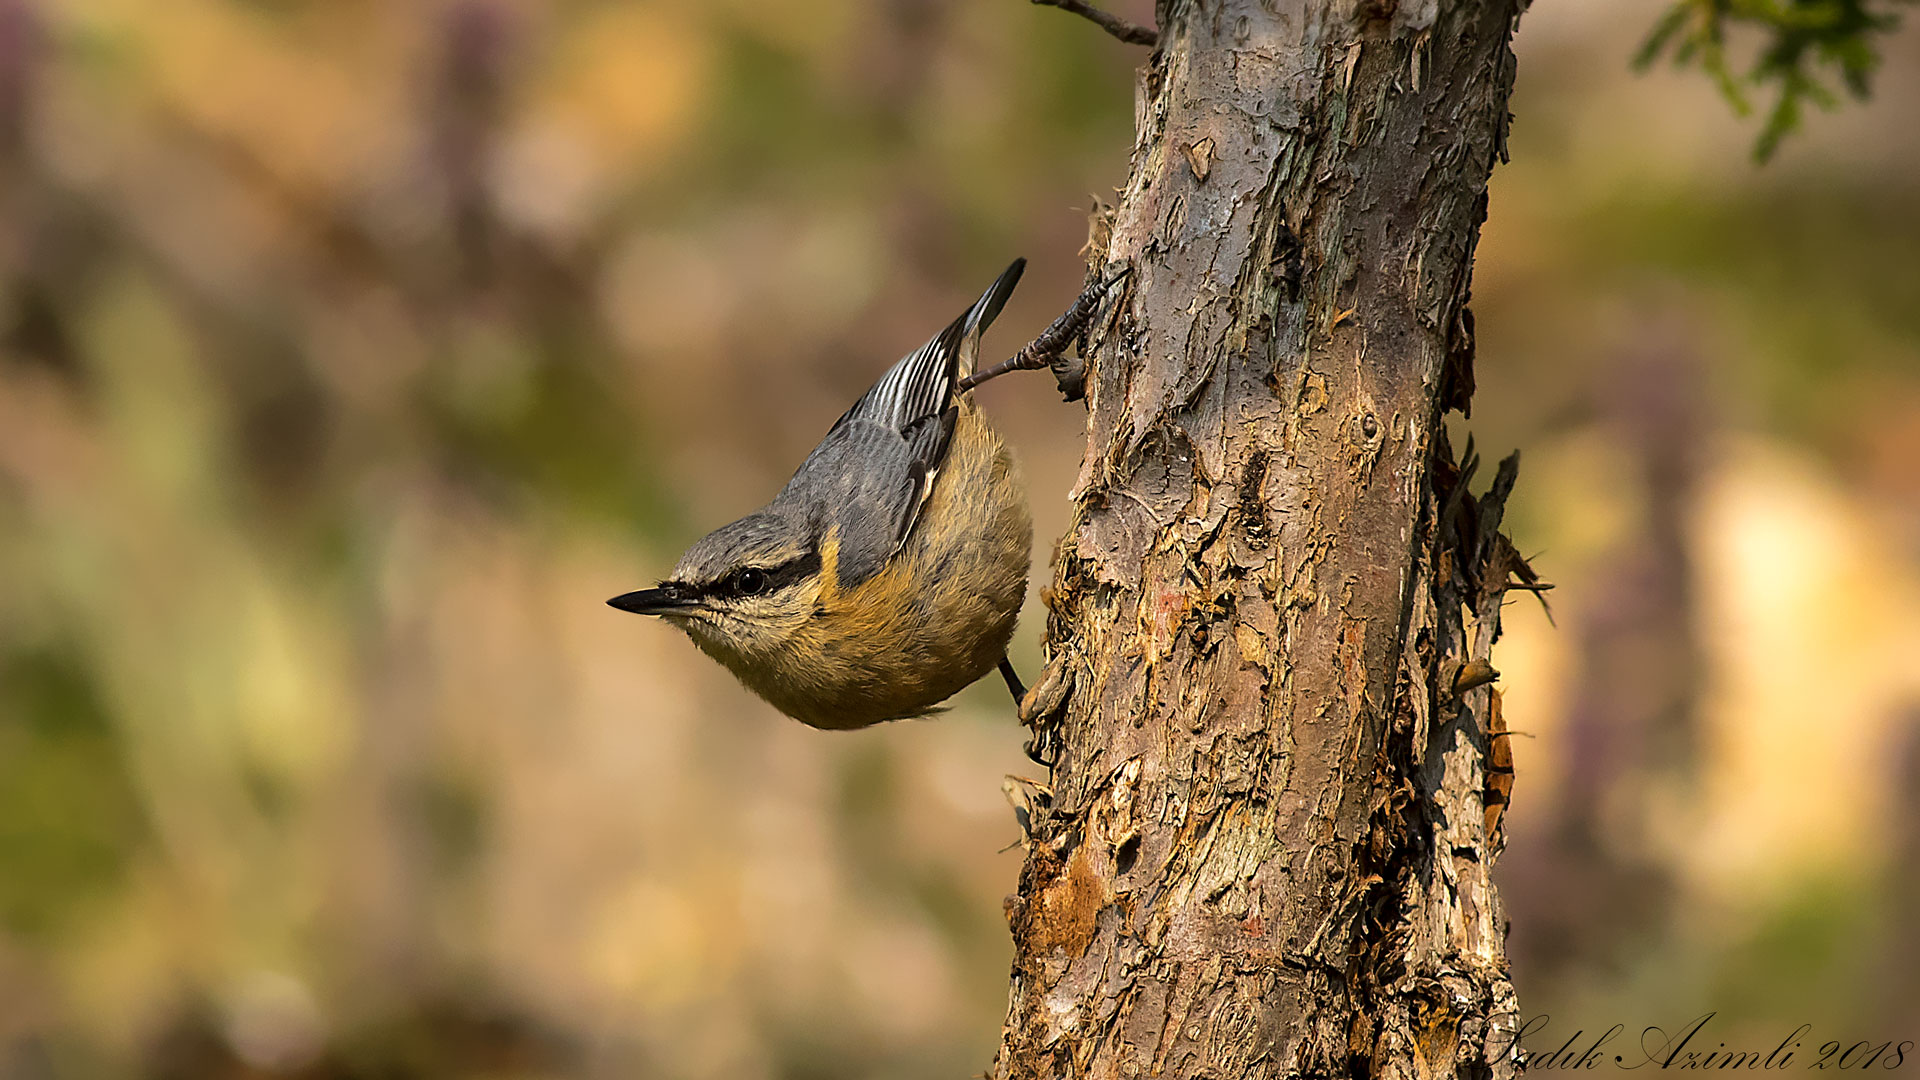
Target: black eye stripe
[775, 578]
[793, 571]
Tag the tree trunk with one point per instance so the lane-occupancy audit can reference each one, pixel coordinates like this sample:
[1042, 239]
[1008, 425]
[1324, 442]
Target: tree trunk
[1274, 804]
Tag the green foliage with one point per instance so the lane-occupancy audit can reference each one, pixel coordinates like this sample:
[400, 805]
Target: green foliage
[1816, 291]
[537, 417]
[1802, 40]
[69, 816]
[1811, 958]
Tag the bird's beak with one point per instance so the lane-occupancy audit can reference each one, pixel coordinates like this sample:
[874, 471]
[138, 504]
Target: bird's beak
[668, 599]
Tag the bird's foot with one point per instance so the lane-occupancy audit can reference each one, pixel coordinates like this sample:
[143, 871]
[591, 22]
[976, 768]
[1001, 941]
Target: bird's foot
[1049, 350]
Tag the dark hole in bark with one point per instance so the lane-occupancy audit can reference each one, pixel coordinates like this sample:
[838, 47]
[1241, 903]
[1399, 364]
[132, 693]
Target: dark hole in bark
[1253, 509]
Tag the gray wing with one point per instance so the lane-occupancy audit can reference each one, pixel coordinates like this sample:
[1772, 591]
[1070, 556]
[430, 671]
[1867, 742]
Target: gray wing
[876, 467]
[868, 480]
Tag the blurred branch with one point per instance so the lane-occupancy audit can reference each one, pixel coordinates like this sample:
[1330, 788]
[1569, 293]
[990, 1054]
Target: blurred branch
[1804, 37]
[20, 48]
[1131, 33]
[465, 123]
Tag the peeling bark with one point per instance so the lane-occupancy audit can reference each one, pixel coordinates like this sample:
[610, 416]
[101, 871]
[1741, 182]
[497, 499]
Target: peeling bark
[1267, 844]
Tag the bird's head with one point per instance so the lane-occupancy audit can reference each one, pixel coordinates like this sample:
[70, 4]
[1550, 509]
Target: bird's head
[742, 590]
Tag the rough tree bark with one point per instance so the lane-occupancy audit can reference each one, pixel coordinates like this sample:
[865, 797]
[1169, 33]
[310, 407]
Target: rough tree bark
[1273, 809]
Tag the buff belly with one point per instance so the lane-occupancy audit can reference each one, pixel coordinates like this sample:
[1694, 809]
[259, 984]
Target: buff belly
[936, 619]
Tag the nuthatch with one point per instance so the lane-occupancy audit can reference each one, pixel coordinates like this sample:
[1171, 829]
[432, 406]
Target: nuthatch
[888, 573]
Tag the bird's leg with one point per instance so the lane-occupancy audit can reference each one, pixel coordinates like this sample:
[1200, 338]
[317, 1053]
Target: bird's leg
[1050, 347]
[1034, 747]
[1013, 680]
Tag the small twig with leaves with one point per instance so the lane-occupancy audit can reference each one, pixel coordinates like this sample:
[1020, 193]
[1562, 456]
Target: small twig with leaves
[1800, 38]
[1131, 33]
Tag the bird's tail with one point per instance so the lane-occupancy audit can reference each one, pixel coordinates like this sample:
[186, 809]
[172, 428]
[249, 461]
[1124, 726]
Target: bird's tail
[922, 383]
[981, 315]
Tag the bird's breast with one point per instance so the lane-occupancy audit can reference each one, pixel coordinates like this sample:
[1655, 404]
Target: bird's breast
[937, 617]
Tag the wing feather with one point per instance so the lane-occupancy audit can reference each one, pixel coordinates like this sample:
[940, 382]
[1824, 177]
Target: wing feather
[883, 456]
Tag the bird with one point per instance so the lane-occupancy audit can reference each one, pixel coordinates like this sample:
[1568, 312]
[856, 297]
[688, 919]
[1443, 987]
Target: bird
[888, 574]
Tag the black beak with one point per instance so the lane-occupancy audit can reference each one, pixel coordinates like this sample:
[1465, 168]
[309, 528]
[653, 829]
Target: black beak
[669, 598]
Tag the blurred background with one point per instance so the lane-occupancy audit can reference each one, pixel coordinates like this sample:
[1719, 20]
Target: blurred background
[352, 352]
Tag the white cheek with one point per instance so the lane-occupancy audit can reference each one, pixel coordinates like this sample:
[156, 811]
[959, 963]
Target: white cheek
[701, 626]
[707, 635]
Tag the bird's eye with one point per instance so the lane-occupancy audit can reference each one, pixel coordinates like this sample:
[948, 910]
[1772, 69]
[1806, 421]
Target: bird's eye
[750, 582]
